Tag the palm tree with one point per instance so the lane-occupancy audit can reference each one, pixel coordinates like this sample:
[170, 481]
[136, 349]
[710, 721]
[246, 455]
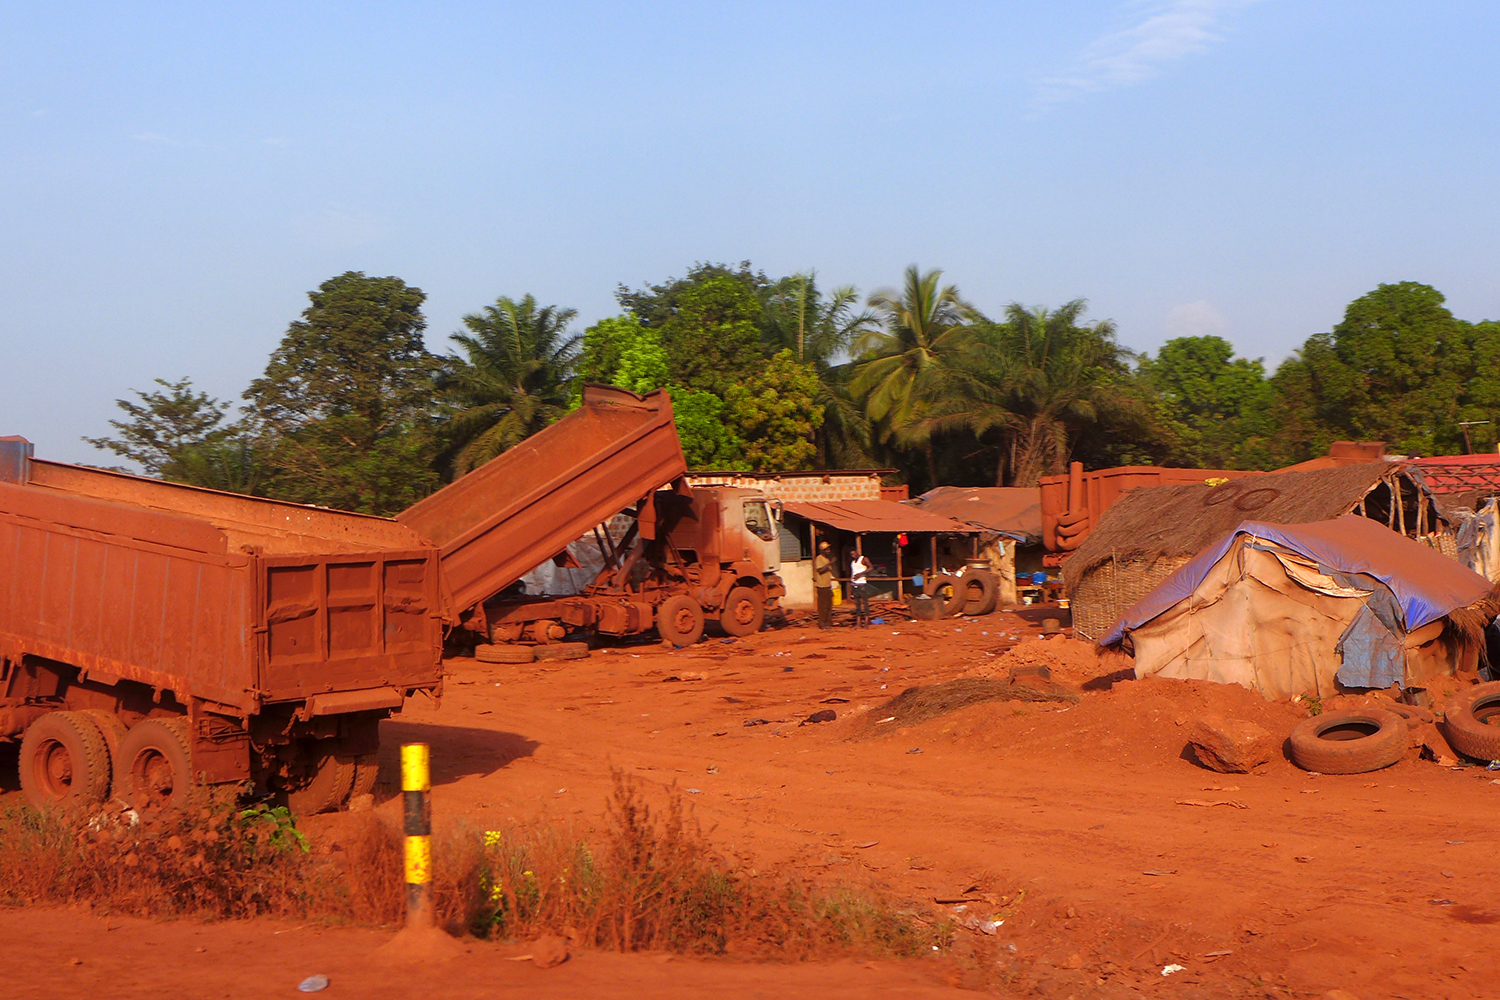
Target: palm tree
[902, 361]
[513, 381]
[1039, 378]
[820, 332]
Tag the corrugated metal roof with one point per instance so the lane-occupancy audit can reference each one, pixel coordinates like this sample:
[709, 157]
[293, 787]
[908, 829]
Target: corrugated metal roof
[1010, 510]
[863, 516]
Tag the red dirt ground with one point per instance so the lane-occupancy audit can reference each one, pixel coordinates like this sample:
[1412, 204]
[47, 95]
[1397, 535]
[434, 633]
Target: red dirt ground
[1378, 884]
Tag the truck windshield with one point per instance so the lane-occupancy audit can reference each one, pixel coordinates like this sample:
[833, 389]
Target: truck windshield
[758, 520]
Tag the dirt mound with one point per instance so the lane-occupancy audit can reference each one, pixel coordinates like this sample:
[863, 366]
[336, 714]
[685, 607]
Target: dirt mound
[919, 704]
[1071, 661]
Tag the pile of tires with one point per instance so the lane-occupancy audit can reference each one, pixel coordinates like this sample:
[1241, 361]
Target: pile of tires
[977, 592]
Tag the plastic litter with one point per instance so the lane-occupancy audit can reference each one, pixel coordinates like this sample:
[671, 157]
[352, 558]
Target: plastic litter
[877, 621]
[1167, 970]
[1493, 765]
[313, 984]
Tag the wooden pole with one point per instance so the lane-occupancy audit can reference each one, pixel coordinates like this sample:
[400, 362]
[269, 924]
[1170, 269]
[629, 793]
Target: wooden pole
[900, 580]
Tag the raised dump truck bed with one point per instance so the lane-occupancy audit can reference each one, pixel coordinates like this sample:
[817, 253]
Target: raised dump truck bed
[263, 641]
[515, 512]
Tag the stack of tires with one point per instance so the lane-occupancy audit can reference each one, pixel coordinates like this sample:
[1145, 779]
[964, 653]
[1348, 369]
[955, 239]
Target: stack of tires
[975, 593]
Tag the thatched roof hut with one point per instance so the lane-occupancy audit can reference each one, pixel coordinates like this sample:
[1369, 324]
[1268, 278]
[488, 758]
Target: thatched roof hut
[1149, 533]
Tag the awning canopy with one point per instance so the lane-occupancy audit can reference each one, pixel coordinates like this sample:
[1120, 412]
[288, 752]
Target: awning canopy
[867, 516]
[1006, 510]
[1427, 585]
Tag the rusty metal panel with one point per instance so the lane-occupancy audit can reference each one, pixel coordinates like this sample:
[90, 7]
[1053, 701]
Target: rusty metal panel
[336, 623]
[1078, 499]
[270, 525]
[508, 516]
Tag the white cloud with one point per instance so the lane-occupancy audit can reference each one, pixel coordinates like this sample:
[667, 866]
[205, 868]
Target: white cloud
[1168, 30]
[1195, 319]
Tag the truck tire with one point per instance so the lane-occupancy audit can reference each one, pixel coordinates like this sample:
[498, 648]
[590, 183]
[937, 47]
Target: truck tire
[563, 651]
[679, 620]
[744, 612]
[366, 774]
[1349, 742]
[981, 592]
[1472, 721]
[113, 729]
[327, 789]
[155, 768]
[504, 653]
[64, 762]
[947, 593]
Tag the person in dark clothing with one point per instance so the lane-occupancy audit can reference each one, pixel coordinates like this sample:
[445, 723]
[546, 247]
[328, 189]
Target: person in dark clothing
[823, 585]
[859, 589]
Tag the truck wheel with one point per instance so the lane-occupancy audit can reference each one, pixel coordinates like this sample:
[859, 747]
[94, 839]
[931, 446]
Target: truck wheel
[327, 788]
[155, 769]
[981, 592]
[504, 653]
[947, 594]
[366, 772]
[679, 620]
[743, 613]
[64, 762]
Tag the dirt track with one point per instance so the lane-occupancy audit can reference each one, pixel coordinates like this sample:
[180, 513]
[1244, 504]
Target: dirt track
[1377, 884]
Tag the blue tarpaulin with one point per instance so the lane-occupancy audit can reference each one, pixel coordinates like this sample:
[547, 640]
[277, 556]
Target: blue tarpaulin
[1426, 584]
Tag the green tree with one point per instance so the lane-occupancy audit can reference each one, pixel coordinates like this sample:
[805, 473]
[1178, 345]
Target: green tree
[622, 351]
[901, 362]
[776, 415]
[343, 410]
[1396, 369]
[1038, 386]
[708, 441]
[512, 380]
[1216, 407]
[163, 426]
[653, 305]
[712, 341]
[821, 330]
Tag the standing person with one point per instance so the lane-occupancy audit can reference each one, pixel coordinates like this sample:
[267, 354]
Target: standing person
[859, 570]
[823, 585]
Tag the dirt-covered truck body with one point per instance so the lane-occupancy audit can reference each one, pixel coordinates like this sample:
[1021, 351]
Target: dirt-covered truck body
[684, 555]
[153, 636]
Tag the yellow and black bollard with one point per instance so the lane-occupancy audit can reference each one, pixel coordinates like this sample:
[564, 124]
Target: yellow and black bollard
[416, 785]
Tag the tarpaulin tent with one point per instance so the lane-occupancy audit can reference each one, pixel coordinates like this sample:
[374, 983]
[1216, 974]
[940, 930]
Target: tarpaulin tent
[1291, 609]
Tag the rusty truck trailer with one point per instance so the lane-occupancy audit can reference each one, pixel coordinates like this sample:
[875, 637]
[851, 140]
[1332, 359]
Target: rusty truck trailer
[154, 635]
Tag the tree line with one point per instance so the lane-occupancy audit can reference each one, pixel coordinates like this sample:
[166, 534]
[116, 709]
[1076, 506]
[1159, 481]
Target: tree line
[355, 411]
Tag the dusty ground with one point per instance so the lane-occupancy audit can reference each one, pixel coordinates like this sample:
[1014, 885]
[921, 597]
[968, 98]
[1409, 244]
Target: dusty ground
[1293, 885]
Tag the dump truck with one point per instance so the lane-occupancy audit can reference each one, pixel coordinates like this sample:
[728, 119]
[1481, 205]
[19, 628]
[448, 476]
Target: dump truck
[154, 636]
[689, 556]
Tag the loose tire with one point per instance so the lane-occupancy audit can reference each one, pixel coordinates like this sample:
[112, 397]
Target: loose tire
[1349, 742]
[64, 762]
[327, 789]
[1472, 721]
[923, 608]
[563, 651]
[981, 592]
[366, 773]
[679, 620]
[744, 612]
[947, 593]
[504, 653]
[155, 769]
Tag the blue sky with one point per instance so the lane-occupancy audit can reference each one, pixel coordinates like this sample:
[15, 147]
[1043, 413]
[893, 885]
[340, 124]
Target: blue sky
[175, 178]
